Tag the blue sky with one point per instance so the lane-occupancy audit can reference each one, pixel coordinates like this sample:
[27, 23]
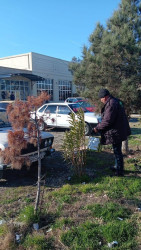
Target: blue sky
[57, 28]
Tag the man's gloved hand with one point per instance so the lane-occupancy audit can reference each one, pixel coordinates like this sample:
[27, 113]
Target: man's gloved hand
[95, 130]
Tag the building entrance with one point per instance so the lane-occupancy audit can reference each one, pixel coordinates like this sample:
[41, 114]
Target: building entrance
[11, 90]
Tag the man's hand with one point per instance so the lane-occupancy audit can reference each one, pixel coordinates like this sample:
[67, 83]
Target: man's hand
[95, 130]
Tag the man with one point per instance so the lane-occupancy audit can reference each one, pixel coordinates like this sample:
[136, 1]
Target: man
[114, 127]
[12, 97]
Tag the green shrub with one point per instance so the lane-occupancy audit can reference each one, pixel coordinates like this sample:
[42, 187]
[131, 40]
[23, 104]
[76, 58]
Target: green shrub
[74, 148]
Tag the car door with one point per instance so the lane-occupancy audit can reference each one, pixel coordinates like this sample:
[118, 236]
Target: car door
[49, 115]
[63, 116]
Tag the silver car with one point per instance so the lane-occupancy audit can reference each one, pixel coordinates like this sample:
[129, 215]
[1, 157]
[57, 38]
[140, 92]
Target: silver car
[31, 151]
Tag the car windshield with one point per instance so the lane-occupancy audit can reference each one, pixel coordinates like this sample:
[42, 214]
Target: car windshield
[76, 107]
[79, 98]
[3, 105]
[85, 104]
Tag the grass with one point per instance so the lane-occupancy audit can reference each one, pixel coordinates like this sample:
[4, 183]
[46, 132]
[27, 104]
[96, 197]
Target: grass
[85, 236]
[27, 215]
[3, 229]
[38, 242]
[113, 187]
[63, 222]
[109, 211]
[93, 236]
[86, 213]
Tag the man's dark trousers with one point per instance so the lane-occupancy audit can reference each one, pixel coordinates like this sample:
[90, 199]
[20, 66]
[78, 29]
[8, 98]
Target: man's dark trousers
[118, 158]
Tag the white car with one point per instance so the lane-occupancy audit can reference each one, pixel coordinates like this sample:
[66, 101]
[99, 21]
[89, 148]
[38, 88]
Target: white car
[31, 150]
[58, 115]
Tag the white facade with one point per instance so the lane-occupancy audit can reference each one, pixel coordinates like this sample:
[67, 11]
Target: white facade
[23, 61]
[57, 77]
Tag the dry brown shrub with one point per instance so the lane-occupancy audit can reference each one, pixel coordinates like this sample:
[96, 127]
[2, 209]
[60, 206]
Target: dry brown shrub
[18, 139]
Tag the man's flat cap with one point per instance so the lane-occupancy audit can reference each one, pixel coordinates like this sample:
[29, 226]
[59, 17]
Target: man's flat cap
[103, 92]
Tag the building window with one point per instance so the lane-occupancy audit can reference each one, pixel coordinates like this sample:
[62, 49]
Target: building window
[46, 85]
[65, 89]
[20, 89]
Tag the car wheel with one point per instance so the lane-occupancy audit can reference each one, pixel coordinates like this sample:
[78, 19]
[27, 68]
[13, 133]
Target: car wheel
[87, 129]
[42, 126]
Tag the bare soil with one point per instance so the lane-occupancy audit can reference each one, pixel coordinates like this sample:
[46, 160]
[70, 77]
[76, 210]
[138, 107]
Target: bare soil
[54, 168]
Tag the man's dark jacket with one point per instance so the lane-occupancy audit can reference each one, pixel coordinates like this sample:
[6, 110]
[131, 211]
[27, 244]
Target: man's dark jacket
[114, 127]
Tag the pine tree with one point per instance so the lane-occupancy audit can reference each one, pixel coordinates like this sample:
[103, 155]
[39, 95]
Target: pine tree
[121, 52]
[113, 59]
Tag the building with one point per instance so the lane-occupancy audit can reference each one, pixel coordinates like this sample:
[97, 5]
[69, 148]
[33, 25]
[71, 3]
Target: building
[30, 73]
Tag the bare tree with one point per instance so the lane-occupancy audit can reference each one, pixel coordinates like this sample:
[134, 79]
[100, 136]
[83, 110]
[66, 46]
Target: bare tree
[24, 130]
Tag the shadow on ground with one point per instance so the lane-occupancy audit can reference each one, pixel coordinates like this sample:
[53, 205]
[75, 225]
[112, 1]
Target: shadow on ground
[56, 172]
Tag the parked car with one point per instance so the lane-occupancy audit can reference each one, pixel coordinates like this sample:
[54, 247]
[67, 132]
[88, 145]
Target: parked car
[4, 104]
[31, 150]
[3, 114]
[74, 99]
[85, 104]
[58, 115]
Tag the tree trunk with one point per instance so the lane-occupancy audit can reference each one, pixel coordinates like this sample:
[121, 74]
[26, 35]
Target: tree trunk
[125, 149]
[39, 174]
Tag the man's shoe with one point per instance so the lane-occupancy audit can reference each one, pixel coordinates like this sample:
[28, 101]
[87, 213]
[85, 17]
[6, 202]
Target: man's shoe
[119, 174]
[113, 168]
